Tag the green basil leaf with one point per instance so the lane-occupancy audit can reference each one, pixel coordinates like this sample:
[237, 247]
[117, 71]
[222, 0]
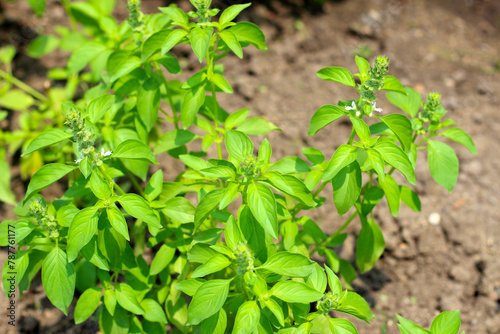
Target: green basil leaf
[343, 156]
[172, 40]
[443, 164]
[247, 32]
[257, 126]
[219, 172]
[392, 84]
[238, 145]
[16, 100]
[207, 205]
[153, 311]
[81, 231]
[363, 65]
[117, 220]
[253, 233]
[377, 162]
[214, 264]
[411, 102]
[323, 116]
[138, 208]
[200, 41]
[83, 55]
[222, 83]
[98, 107]
[208, 300]
[289, 264]
[232, 233]
[460, 136]
[337, 74]
[397, 158]
[174, 139]
[93, 254]
[189, 286]
[409, 327]
[230, 193]
[85, 167]
[179, 209]
[232, 41]
[446, 322]
[276, 309]
[45, 176]
[42, 45]
[135, 150]
[22, 229]
[391, 190]
[410, 198]
[216, 324]
[333, 281]
[193, 100]
[231, 12]
[265, 152]
[247, 318]
[372, 197]
[236, 118]
[341, 326]
[87, 304]
[100, 187]
[290, 165]
[347, 187]
[313, 155]
[148, 103]
[193, 162]
[357, 306]
[170, 63]
[292, 186]
[361, 128]
[118, 323]
[154, 43]
[155, 186]
[58, 279]
[162, 259]
[200, 253]
[38, 6]
[126, 296]
[401, 126]
[176, 14]
[317, 279]
[46, 138]
[370, 245]
[295, 292]
[262, 203]
[124, 67]
[20, 266]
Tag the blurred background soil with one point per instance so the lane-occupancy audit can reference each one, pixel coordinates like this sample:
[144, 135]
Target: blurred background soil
[448, 256]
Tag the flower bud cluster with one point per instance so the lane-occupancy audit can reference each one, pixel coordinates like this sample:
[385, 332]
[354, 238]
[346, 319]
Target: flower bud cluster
[430, 107]
[329, 302]
[135, 15]
[38, 210]
[203, 13]
[367, 97]
[249, 166]
[84, 138]
[429, 114]
[244, 258]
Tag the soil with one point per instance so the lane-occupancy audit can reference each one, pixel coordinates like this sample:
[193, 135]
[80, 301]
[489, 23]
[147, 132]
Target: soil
[444, 258]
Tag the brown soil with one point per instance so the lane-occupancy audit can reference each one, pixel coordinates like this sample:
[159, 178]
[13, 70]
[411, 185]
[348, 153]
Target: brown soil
[446, 46]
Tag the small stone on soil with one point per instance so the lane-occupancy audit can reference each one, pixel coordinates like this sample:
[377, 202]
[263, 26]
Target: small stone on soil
[434, 218]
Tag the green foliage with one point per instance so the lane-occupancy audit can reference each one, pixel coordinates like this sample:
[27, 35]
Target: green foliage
[230, 236]
[447, 322]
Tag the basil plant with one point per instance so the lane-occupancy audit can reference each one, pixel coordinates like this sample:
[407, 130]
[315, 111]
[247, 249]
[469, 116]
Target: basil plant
[226, 246]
